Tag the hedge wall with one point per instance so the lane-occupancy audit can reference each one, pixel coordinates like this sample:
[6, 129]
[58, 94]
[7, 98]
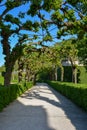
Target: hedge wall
[8, 94]
[82, 74]
[75, 92]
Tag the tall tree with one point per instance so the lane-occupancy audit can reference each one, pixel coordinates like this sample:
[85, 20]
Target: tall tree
[70, 53]
[10, 26]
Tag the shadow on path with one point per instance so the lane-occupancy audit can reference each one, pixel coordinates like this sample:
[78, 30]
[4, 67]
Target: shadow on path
[31, 111]
[23, 117]
[77, 116]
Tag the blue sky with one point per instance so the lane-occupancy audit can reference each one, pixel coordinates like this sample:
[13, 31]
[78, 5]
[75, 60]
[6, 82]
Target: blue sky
[1, 56]
[14, 40]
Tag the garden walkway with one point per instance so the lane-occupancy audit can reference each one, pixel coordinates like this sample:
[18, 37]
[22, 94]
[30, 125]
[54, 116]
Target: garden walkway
[42, 108]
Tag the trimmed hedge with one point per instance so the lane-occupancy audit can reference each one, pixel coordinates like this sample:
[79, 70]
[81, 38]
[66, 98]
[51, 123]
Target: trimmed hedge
[81, 74]
[9, 94]
[75, 92]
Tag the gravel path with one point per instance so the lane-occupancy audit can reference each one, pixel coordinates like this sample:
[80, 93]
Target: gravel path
[42, 108]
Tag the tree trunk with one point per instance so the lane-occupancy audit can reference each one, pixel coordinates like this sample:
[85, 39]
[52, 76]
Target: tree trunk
[8, 63]
[62, 73]
[74, 71]
[7, 77]
[55, 73]
[10, 56]
[74, 74]
[34, 79]
[27, 75]
[20, 70]
[8, 71]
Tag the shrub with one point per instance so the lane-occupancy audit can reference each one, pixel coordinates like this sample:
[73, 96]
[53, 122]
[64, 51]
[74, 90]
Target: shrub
[8, 94]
